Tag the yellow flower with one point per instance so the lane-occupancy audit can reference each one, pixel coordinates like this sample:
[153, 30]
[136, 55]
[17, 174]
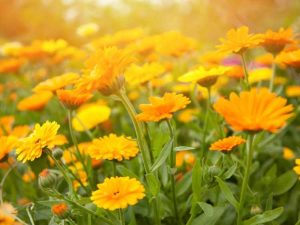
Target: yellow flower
[213, 58]
[31, 147]
[254, 110]
[10, 48]
[185, 157]
[162, 108]
[187, 115]
[7, 214]
[239, 40]
[275, 42]
[78, 170]
[288, 153]
[290, 58]
[227, 144]
[56, 83]
[293, 91]
[87, 29]
[265, 59]
[35, 102]
[259, 74]
[90, 115]
[204, 76]
[136, 74]
[28, 176]
[104, 71]
[73, 98]
[174, 44]
[297, 167]
[52, 46]
[113, 147]
[118, 193]
[10, 65]
[8, 143]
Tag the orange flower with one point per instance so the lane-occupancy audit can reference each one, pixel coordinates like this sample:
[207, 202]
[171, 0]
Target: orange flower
[185, 157]
[254, 110]
[291, 58]
[288, 153]
[61, 210]
[56, 83]
[297, 167]
[275, 42]
[227, 144]
[104, 71]
[293, 91]
[10, 65]
[8, 143]
[239, 40]
[162, 108]
[73, 98]
[35, 102]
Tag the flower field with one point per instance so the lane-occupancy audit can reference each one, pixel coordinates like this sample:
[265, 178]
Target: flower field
[126, 119]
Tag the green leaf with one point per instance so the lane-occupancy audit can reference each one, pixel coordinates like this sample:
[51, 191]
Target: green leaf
[207, 208]
[163, 155]
[230, 172]
[183, 148]
[197, 180]
[298, 223]
[184, 184]
[265, 217]
[283, 183]
[153, 184]
[227, 193]
[126, 172]
[209, 219]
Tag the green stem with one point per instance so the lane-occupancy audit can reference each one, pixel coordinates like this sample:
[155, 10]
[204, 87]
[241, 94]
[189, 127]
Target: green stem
[122, 217]
[249, 158]
[114, 169]
[3, 181]
[246, 78]
[172, 176]
[80, 157]
[271, 85]
[30, 216]
[205, 125]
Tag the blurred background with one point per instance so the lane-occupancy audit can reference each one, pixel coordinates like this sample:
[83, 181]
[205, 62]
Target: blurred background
[206, 20]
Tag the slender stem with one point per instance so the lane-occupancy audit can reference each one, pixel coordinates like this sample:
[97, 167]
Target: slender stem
[172, 176]
[205, 125]
[80, 157]
[122, 217]
[87, 131]
[246, 78]
[271, 85]
[114, 169]
[249, 157]
[194, 93]
[3, 181]
[30, 216]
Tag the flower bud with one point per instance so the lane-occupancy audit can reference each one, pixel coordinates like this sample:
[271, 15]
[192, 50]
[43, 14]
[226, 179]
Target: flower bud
[57, 153]
[61, 210]
[47, 179]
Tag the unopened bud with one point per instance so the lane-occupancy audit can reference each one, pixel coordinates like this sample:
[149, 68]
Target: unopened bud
[61, 210]
[57, 153]
[47, 179]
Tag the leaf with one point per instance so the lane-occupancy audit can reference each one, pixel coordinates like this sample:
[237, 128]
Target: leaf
[265, 217]
[197, 180]
[230, 171]
[183, 148]
[283, 183]
[163, 155]
[227, 193]
[209, 220]
[126, 172]
[153, 184]
[184, 184]
[207, 208]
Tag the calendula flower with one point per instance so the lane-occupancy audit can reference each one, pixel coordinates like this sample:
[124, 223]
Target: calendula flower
[43, 136]
[7, 144]
[185, 157]
[118, 193]
[87, 29]
[187, 115]
[35, 102]
[10, 48]
[290, 58]
[204, 76]
[28, 176]
[6, 123]
[259, 74]
[288, 153]
[113, 147]
[235, 72]
[78, 170]
[212, 59]
[104, 71]
[7, 214]
[265, 59]
[11, 65]
[227, 144]
[162, 108]
[61, 210]
[297, 167]
[136, 74]
[53, 46]
[56, 83]
[86, 119]
[239, 40]
[275, 42]
[254, 110]
[293, 91]
[73, 98]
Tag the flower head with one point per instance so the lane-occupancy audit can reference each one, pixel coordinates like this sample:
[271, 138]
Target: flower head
[162, 108]
[297, 167]
[293, 91]
[8, 143]
[31, 147]
[185, 157]
[239, 40]
[73, 98]
[288, 153]
[60, 210]
[56, 83]
[35, 102]
[227, 144]
[118, 193]
[7, 214]
[254, 110]
[290, 58]
[104, 71]
[113, 147]
[204, 76]
[87, 29]
[275, 42]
